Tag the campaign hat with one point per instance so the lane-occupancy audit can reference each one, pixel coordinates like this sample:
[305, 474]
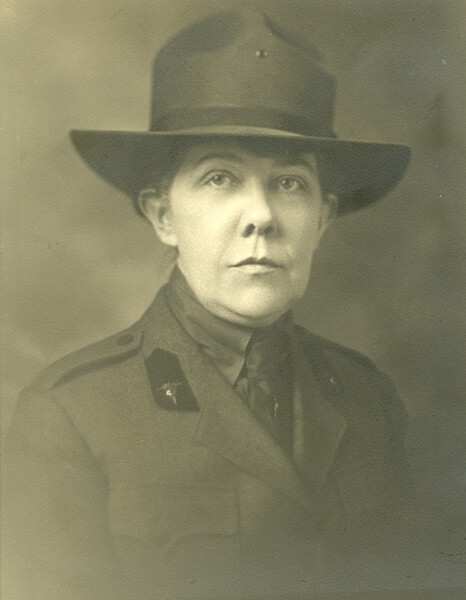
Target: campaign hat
[238, 74]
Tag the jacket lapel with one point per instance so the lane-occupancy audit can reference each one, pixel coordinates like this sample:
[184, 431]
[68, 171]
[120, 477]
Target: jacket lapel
[225, 424]
[318, 426]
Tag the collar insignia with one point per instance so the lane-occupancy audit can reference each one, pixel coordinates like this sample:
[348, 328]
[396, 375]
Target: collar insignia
[170, 388]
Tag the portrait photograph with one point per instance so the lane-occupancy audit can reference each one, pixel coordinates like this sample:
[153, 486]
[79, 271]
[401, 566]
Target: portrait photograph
[233, 281]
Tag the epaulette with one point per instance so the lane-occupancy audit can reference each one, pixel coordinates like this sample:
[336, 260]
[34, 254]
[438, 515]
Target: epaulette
[98, 355]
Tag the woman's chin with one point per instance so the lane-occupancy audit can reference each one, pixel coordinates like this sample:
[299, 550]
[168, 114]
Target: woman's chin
[254, 312]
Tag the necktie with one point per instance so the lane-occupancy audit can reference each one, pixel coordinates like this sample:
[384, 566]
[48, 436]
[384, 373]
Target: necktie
[268, 370]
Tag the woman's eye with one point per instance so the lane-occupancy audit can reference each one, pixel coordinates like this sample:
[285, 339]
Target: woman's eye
[219, 180]
[291, 184]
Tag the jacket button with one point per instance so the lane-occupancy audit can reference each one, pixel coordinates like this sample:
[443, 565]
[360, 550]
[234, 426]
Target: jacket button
[125, 339]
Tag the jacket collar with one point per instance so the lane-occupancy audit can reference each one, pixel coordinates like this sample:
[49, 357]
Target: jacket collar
[227, 426]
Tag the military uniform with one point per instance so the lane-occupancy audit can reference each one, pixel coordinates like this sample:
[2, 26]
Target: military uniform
[138, 470]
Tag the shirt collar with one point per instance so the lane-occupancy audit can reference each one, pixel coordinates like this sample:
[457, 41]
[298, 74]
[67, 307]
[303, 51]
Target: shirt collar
[224, 342]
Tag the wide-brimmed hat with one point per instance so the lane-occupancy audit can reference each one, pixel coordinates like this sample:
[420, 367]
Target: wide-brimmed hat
[240, 75]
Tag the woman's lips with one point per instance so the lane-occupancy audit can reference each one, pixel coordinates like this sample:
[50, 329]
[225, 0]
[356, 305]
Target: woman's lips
[253, 265]
[264, 261]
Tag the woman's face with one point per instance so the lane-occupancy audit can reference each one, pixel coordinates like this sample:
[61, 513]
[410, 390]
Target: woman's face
[246, 226]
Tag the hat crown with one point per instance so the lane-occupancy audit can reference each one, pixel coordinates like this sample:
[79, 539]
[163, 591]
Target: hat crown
[239, 68]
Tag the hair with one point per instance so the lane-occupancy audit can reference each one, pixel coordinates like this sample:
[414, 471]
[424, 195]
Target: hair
[163, 168]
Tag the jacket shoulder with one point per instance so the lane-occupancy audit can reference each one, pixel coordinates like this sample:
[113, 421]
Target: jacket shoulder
[343, 366]
[333, 350]
[96, 356]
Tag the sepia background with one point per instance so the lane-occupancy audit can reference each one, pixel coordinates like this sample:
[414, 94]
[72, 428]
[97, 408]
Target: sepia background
[78, 264]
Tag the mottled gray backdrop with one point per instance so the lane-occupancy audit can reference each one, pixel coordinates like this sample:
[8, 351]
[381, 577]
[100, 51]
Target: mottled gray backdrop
[78, 265]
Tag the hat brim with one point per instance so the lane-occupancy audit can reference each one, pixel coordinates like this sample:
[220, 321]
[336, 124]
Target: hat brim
[359, 173]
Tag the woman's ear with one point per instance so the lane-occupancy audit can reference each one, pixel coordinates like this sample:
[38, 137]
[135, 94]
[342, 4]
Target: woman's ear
[156, 209]
[329, 210]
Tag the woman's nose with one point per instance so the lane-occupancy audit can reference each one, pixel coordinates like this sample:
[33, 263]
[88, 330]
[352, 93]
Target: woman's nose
[258, 216]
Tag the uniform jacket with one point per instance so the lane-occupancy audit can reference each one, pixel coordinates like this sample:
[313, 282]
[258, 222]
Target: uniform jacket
[137, 472]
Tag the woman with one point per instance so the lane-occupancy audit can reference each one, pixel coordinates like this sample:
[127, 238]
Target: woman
[215, 448]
